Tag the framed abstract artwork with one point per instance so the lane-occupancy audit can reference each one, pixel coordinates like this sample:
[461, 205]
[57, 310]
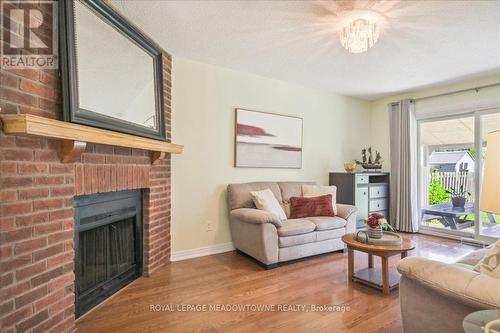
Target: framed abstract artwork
[267, 140]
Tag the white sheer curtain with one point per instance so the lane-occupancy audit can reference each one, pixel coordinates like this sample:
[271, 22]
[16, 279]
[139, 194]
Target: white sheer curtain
[403, 137]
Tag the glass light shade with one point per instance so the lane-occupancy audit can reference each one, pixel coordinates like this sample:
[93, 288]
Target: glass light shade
[490, 194]
[359, 36]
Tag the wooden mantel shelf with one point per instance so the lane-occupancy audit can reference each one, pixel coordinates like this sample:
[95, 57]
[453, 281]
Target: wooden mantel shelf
[75, 137]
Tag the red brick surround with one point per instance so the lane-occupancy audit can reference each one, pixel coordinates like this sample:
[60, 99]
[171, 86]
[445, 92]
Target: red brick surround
[36, 205]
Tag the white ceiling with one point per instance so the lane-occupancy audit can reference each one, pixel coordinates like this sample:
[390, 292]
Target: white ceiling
[422, 43]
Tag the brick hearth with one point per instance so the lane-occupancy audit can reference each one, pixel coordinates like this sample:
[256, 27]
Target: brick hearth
[36, 210]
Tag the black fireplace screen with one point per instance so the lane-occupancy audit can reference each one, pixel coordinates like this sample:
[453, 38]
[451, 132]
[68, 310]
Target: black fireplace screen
[108, 245]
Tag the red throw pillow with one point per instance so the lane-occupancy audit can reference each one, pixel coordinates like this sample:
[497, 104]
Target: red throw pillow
[313, 206]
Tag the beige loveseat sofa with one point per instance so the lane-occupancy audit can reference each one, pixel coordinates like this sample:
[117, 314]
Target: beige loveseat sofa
[436, 297]
[262, 236]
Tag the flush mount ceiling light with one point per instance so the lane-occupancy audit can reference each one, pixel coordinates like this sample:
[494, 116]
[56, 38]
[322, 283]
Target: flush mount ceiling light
[359, 35]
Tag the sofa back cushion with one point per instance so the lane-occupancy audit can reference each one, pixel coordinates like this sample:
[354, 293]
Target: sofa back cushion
[301, 207]
[238, 195]
[291, 189]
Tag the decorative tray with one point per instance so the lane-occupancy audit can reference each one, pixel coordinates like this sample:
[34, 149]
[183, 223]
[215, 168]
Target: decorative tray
[388, 238]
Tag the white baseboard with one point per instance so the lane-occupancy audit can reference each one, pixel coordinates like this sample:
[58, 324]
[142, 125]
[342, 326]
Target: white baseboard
[464, 239]
[201, 251]
[439, 234]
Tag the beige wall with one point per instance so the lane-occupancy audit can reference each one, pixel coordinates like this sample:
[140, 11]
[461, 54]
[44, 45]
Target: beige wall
[204, 98]
[379, 116]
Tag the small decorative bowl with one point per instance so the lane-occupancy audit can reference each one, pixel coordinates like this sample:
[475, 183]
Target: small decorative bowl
[350, 167]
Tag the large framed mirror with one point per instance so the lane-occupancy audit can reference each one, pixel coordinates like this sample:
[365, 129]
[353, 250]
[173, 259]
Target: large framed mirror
[112, 74]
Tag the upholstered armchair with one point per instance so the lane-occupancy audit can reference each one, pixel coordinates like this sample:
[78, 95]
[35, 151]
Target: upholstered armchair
[436, 297]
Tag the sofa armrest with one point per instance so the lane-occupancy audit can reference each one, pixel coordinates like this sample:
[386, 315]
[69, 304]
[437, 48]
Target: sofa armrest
[345, 211]
[453, 280]
[251, 215]
[348, 213]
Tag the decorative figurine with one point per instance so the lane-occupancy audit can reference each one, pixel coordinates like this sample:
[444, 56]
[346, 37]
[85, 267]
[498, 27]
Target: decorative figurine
[369, 163]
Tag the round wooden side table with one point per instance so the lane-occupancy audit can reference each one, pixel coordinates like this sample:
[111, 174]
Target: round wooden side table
[381, 279]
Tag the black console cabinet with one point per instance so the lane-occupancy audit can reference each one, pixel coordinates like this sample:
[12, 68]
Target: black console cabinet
[369, 192]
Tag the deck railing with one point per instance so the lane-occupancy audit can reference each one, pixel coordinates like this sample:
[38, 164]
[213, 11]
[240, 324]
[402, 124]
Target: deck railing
[451, 180]
[456, 180]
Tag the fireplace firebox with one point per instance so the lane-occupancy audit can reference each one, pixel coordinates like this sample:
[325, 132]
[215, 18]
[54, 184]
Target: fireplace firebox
[108, 245]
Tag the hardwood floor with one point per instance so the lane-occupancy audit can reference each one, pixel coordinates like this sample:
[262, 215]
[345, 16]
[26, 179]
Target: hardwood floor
[230, 278]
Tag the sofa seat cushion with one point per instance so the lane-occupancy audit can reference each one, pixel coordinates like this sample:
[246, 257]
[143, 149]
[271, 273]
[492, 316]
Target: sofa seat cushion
[473, 258]
[329, 234]
[311, 237]
[327, 222]
[297, 239]
[295, 227]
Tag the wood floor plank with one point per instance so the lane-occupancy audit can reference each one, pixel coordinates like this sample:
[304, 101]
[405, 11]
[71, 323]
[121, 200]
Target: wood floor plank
[230, 278]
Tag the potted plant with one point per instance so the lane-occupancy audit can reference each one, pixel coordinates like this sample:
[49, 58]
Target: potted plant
[376, 223]
[458, 197]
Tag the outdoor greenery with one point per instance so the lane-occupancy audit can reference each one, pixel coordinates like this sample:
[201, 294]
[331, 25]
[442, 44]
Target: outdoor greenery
[437, 192]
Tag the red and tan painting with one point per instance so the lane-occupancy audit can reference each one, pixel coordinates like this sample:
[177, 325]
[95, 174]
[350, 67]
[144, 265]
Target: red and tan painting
[266, 140]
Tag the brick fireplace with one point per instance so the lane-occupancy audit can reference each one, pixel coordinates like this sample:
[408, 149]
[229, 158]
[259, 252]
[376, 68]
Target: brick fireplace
[36, 205]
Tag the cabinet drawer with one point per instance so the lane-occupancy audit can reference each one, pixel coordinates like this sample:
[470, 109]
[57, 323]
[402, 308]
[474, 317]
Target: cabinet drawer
[378, 205]
[361, 202]
[378, 191]
[361, 179]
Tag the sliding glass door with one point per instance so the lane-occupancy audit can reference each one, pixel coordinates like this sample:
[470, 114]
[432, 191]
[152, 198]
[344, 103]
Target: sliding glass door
[447, 166]
[450, 171]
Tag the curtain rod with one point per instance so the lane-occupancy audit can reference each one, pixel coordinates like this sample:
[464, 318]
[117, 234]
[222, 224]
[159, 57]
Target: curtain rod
[454, 92]
[458, 91]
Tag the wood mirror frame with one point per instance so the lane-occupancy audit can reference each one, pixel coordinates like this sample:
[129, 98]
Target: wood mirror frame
[72, 111]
